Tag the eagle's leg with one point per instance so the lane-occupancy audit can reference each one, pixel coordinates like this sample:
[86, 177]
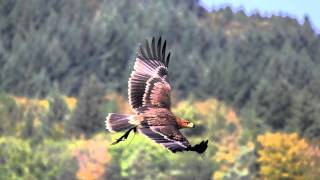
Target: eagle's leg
[125, 135]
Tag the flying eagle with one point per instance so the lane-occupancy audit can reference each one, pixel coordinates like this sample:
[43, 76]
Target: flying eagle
[149, 96]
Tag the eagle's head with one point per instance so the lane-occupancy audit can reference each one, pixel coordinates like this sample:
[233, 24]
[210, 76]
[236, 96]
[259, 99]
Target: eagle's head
[184, 123]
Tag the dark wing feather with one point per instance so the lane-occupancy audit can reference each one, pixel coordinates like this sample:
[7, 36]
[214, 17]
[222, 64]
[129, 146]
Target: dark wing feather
[159, 48]
[168, 136]
[148, 83]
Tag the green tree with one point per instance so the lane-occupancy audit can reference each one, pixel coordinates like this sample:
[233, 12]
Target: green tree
[87, 117]
[28, 129]
[10, 115]
[22, 160]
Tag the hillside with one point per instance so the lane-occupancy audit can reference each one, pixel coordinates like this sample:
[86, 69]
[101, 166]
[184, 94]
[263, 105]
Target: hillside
[37, 131]
[267, 66]
[250, 84]
[43, 126]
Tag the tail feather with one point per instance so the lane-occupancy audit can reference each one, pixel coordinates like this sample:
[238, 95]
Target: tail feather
[118, 122]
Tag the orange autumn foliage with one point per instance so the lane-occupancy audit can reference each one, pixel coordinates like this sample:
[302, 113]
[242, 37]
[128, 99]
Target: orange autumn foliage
[71, 102]
[92, 159]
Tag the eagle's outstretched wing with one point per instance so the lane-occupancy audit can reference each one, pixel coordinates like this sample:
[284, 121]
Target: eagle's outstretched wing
[171, 138]
[168, 136]
[148, 84]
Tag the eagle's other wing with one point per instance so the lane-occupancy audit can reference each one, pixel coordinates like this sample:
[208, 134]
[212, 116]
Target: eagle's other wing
[168, 136]
[148, 84]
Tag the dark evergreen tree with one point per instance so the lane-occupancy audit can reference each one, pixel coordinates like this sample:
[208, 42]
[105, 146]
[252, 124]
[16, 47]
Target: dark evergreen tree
[58, 109]
[87, 117]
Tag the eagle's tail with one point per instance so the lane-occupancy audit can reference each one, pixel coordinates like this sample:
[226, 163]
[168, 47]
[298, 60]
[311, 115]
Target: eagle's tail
[119, 122]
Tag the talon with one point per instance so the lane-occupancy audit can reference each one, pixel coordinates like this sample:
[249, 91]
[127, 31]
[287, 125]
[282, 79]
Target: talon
[199, 148]
[124, 136]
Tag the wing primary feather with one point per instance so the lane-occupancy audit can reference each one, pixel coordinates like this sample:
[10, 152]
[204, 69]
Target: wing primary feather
[151, 62]
[164, 51]
[143, 53]
[148, 50]
[168, 59]
[159, 49]
[154, 49]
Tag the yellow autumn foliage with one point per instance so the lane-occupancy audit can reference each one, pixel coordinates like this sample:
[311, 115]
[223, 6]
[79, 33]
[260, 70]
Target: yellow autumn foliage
[207, 106]
[284, 156]
[38, 107]
[38, 104]
[43, 104]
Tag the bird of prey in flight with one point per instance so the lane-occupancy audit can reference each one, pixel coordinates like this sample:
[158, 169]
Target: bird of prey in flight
[149, 96]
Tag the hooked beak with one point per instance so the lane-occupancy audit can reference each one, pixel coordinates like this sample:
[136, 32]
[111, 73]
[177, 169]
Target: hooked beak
[190, 125]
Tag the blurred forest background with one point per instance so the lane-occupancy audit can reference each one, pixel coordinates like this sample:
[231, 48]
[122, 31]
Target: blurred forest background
[250, 83]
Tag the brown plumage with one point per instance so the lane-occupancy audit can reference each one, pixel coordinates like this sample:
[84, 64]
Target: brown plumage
[149, 96]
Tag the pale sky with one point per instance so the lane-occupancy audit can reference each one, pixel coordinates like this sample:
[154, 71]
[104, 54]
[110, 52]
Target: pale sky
[293, 8]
